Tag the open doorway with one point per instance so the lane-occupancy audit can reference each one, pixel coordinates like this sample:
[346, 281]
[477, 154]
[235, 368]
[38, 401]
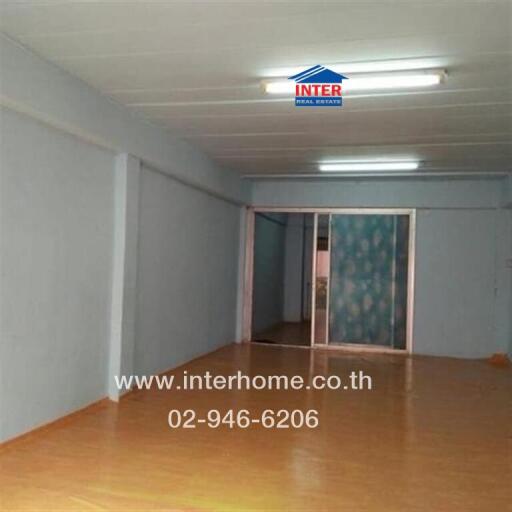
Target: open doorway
[282, 263]
[332, 277]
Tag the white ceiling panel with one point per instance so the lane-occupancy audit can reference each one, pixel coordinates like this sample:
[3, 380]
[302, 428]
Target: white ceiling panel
[195, 68]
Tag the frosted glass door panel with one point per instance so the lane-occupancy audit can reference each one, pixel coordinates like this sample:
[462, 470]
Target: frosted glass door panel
[368, 279]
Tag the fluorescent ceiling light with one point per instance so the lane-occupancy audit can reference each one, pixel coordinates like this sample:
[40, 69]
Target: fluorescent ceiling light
[392, 82]
[369, 82]
[363, 67]
[369, 166]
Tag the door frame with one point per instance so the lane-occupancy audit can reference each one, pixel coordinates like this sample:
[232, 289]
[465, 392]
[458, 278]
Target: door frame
[249, 271]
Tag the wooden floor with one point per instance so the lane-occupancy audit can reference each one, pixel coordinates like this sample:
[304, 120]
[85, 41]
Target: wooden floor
[433, 435]
[287, 333]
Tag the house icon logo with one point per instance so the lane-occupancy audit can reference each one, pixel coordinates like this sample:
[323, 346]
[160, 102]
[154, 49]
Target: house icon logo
[318, 87]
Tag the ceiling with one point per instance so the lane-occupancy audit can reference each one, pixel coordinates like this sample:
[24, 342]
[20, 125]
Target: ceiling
[196, 69]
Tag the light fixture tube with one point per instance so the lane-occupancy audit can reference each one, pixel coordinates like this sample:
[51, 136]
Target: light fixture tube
[369, 166]
[365, 83]
[380, 66]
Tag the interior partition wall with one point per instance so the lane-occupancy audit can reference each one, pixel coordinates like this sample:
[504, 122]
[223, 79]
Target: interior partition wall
[362, 278]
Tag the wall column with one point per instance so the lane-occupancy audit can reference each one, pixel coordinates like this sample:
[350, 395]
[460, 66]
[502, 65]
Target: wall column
[239, 333]
[124, 275]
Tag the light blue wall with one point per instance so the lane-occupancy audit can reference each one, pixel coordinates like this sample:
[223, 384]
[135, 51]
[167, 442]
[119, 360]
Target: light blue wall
[455, 283]
[56, 254]
[44, 91]
[57, 237]
[503, 313]
[269, 252]
[506, 192]
[56, 240]
[187, 280]
[463, 236]
[508, 250]
[391, 193]
[293, 268]
[507, 302]
[56, 228]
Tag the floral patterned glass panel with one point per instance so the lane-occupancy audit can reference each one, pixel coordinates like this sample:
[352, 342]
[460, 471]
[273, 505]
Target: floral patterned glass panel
[368, 280]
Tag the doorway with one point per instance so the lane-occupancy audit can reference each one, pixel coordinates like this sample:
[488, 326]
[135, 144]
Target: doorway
[357, 272]
[282, 280]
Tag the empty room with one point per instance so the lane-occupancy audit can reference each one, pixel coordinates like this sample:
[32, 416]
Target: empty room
[256, 256]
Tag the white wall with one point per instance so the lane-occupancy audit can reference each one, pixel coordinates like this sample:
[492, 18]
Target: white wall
[56, 232]
[187, 273]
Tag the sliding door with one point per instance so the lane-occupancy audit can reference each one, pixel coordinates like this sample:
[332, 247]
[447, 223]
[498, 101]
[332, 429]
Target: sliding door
[368, 279]
[362, 277]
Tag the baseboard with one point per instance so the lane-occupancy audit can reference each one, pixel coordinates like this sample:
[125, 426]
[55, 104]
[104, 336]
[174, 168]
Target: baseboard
[53, 423]
[175, 368]
[97, 403]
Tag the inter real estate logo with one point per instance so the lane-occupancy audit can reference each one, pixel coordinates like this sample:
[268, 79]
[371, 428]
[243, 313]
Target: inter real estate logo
[318, 87]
